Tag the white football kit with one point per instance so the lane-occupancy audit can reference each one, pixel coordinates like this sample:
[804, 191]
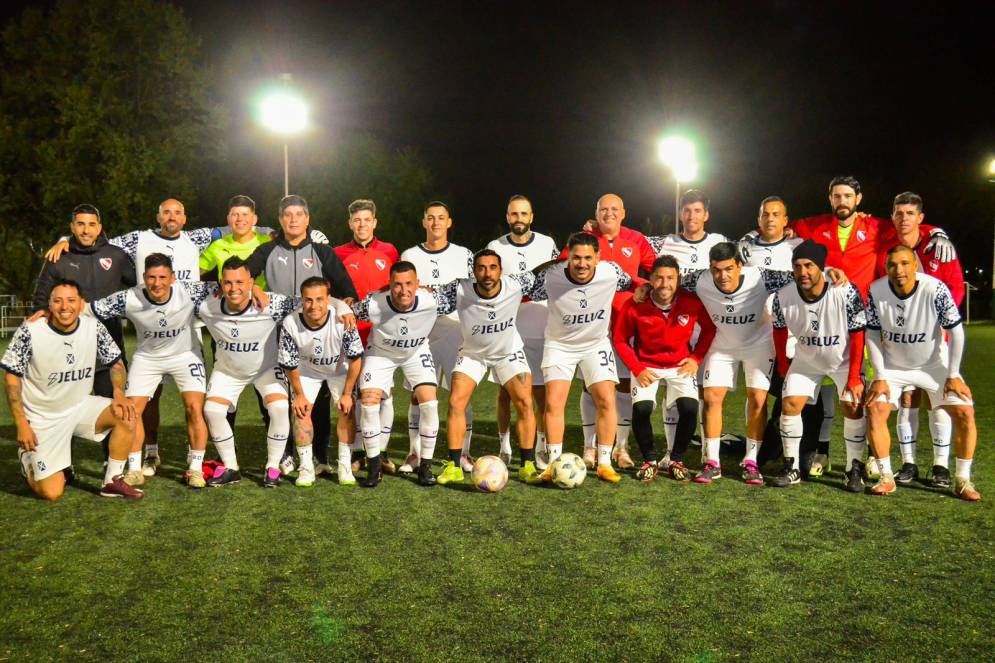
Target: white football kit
[321, 354]
[184, 249]
[531, 320]
[912, 343]
[165, 344]
[691, 255]
[775, 255]
[435, 268]
[400, 339]
[822, 329]
[56, 371]
[743, 329]
[579, 318]
[246, 346]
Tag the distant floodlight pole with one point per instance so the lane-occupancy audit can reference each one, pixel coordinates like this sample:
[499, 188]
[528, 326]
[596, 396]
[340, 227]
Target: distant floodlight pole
[284, 113]
[991, 181]
[678, 154]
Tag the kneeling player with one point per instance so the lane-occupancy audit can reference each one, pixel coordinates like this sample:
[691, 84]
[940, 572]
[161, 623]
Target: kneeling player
[315, 348]
[487, 306]
[907, 314]
[49, 368]
[653, 338]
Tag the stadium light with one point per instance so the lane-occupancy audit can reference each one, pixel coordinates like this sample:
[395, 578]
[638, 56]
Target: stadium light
[991, 180]
[678, 154]
[285, 114]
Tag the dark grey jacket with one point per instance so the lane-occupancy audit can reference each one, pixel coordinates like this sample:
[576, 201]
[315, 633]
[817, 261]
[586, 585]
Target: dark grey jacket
[286, 267]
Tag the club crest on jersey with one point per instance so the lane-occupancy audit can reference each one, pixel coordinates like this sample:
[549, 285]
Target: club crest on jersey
[234, 331]
[162, 317]
[694, 258]
[933, 265]
[900, 318]
[730, 308]
[767, 261]
[307, 262]
[491, 314]
[106, 263]
[814, 322]
[317, 349]
[583, 297]
[70, 355]
[627, 252]
[403, 331]
[683, 320]
[861, 235]
[380, 263]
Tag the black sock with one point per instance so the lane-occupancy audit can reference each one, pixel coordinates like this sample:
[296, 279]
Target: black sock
[687, 419]
[527, 454]
[455, 454]
[643, 429]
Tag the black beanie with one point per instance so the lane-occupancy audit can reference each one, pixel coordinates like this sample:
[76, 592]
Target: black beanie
[809, 250]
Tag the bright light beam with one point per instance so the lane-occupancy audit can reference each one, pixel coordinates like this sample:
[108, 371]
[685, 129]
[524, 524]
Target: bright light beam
[678, 154]
[283, 113]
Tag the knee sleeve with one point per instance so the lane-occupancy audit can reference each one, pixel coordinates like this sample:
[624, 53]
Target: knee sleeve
[642, 409]
[216, 416]
[279, 419]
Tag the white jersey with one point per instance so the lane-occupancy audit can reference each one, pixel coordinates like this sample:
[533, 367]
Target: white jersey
[488, 324]
[184, 249]
[397, 334]
[319, 353]
[579, 313]
[776, 255]
[163, 330]
[911, 327]
[246, 339]
[57, 368]
[518, 258]
[442, 266]
[740, 317]
[822, 327]
[690, 255]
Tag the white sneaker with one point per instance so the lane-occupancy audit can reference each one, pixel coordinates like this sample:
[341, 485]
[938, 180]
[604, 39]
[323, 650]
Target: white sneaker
[505, 457]
[873, 471]
[542, 460]
[305, 478]
[820, 465]
[287, 465]
[410, 464]
[323, 468]
[151, 466]
[347, 478]
[466, 462]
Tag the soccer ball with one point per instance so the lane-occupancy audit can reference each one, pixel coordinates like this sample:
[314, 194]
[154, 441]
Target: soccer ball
[490, 474]
[569, 471]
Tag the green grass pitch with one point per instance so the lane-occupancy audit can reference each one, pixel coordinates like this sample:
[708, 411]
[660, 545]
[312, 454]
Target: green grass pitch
[627, 572]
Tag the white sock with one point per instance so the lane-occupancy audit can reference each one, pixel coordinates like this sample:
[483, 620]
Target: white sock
[307, 460]
[588, 416]
[505, 441]
[386, 421]
[854, 434]
[114, 468]
[345, 460]
[414, 417]
[791, 437]
[940, 426]
[963, 468]
[555, 451]
[369, 422]
[884, 465]
[195, 458]
[623, 404]
[604, 454]
[903, 431]
[428, 428]
[216, 416]
[468, 435]
[540, 442]
[828, 412]
[711, 446]
[134, 461]
[752, 448]
[278, 431]
[152, 449]
[670, 426]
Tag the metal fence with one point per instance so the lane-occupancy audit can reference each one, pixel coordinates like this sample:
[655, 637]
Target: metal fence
[12, 314]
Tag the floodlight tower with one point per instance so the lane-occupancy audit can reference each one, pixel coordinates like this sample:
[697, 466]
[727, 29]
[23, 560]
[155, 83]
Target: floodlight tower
[284, 113]
[991, 181]
[678, 155]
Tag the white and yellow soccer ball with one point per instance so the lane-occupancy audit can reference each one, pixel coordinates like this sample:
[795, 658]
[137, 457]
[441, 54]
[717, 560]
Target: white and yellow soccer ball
[569, 471]
[490, 474]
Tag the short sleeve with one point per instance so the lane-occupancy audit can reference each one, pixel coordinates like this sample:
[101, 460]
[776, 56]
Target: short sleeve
[445, 297]
[288, 354]
[128, 243]
[362, 308]
[623, 281]
[201, 237]
[873, 320]
[776, 314]
[946, 309]
[689, 280]
[281, 306]
[352, 344]
[856, 312]
[107, 350]
[111, 306]
[775, 280]
[18, 354]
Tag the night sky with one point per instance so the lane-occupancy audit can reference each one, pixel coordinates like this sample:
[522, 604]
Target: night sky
[563, 104]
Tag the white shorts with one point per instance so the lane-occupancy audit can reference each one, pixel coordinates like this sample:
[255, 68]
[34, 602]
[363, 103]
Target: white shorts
[930, 380]
[445, 341]
[722, 368]
[312, 386]
[502, 369]
[145, 373]
[378, 372]
[533, 356]
[55, 435]
[802, 380]
[596, 365]
[268, 382]
[678, 386]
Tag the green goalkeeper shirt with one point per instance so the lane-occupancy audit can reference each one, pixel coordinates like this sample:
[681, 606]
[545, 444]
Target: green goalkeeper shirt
[214, 256]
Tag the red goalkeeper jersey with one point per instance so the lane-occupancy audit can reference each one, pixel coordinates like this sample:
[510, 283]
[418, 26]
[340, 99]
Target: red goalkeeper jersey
[646, 337]
[369, 268]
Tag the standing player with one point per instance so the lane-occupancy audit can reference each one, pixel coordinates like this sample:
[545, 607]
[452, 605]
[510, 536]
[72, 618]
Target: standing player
[162, 311]
[909, 316]
[439, 261]
[907, 217]
[653, 338]
[317, 350]
[49, 367]
[580, 299]
[488, 305]
[367, 259]
[402, 319]
[522, 250]
[828, 324]
[243, 240]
